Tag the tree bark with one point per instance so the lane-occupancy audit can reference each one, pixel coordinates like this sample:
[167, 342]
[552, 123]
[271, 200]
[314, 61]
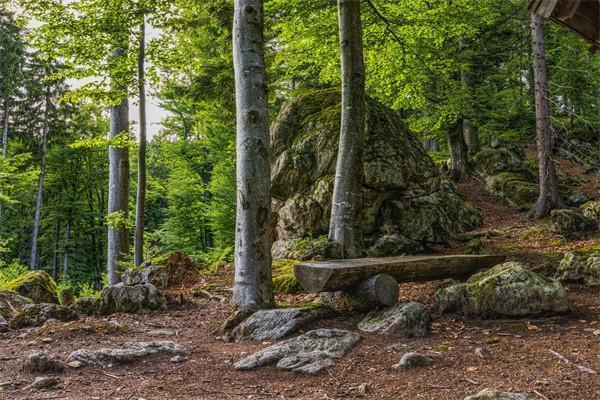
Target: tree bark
[118, 187]
[344, 228]
[65, 270]
[459, 156]
[40, 191]
[377, 291]
[5, 128]
[253, 288]
[141, 183]
[549, 197]
[55, 257]
[470, 132]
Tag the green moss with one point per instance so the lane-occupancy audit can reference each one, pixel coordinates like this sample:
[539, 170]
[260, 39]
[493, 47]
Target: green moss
[493, 161]
[439, 157]
[514, 189]
[492, 340]
[514, 326]
[284, 280]
[36, 285]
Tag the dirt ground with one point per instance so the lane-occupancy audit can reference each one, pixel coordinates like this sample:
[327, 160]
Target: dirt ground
[516, 353]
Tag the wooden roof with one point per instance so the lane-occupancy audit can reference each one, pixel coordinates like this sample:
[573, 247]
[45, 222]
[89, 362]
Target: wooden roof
[580, 16]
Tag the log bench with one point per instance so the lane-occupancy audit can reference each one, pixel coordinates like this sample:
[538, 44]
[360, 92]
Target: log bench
[364, 283]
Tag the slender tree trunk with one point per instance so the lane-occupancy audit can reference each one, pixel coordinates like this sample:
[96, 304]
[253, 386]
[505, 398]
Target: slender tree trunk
[55, 258]
[141, 184]
[459, 157]
[344, 227]
[470, 132]
[549, 198]
[253, 287]
[5, 128]
[430, 145]
[118, 188]
[65, 270]
[40, 192]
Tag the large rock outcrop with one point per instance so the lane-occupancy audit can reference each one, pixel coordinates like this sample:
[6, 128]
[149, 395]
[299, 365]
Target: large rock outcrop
[35, 285]
[575, 267]
[507, 290]
[403, 194]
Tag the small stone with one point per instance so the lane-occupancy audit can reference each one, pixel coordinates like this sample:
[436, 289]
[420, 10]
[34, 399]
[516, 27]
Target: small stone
[480, 352]
[47, 340]
[408, 319]
[200, 293]
[42, 382]
[397, 347]
[38, 361]
[75, 364]
[413, 359]
[177, 359]
[161, 333]
[130, 352]
[493, 394]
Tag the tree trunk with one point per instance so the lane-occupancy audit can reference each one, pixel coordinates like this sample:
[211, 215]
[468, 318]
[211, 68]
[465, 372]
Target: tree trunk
[430, 145]
[55, 257]
[549, 198]
[377, 291]
[459, 157]
[141, 184]
[5, 128]
[40, 191]
[470, 132]
[344, 228]
[253, 287]
[65, 270]
[118, 187]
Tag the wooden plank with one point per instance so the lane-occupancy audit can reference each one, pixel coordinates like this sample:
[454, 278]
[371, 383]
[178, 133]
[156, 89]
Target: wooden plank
[340, 274]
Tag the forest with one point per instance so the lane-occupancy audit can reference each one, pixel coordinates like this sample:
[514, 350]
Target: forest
[300, 199]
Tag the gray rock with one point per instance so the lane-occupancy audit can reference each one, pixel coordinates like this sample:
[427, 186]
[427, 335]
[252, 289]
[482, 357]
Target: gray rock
[131, 299]
[572, 224]
[12, 302]
[38, 361]
[574, 267]
[39, 314]
[310, 353]
[275, 324]
[3, 324]
[162, 333]
[506, 290]
[408, 319]
[130, 352]
[577, 199]
[413, 359]
[493, 394]
[153, 274]
[591, 210]
[86, 305]
[42, 382]
[396, 169]
[177, 359]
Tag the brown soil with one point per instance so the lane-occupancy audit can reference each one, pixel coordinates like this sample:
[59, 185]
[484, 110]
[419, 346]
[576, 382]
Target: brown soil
[516, 353]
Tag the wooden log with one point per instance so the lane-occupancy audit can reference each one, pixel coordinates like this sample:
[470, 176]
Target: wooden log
[377, 291]
[341, 274]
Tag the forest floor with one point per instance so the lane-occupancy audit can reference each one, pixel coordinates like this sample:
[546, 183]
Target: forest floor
[517, 353]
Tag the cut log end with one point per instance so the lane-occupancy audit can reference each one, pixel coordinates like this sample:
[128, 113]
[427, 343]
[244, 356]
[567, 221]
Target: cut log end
[377, 291]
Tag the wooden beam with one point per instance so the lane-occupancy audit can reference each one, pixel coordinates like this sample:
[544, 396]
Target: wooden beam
[341, 274]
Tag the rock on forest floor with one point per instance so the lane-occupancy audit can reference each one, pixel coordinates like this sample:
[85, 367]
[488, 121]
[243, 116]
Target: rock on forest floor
[470, 355]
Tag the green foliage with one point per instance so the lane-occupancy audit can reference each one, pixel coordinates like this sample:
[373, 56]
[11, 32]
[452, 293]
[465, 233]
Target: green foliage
[10, 272]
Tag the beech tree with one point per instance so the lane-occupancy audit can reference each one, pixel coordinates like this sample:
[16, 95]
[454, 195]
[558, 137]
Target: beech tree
[253, 284]
[549, 197]
[344, 228]
[138, 247]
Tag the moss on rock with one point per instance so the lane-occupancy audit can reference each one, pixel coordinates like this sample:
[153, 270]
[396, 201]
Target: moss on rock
[579, 268]
[131, 299]
[36, 285]
[492, 161]
[514, 188]
[591, 210]
[12, 302]
[38, 314]
[284, 280]
[572, 224]
[507, 290]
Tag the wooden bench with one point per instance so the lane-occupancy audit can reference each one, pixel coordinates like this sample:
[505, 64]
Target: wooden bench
[365, 283]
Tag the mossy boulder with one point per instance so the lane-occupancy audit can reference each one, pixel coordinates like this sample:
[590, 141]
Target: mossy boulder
[507, 290]
[66, 297]
[572, 224]
[400, 181]
[578, 268]
[491, 161]
[38, 314]
[86, 305]
[131, 299]
[591, 210]
[157, 275]
[408, 320]
[12, 302]
[39, 286]
[284, 280]
[513, 188]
